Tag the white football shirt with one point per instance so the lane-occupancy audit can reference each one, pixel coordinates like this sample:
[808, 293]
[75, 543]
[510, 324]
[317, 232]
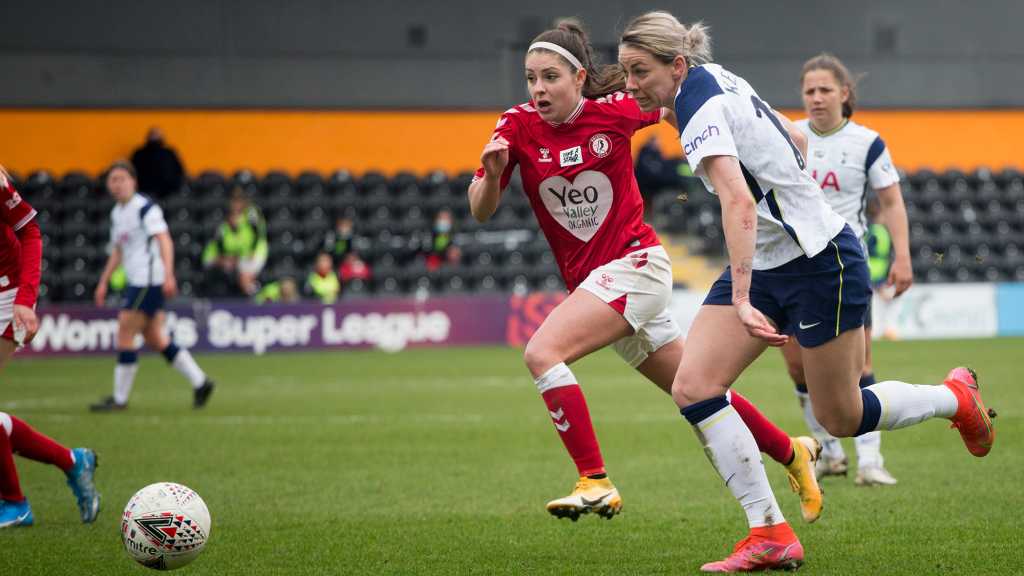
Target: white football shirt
[846, 162]
[720, 115]
[133, 227]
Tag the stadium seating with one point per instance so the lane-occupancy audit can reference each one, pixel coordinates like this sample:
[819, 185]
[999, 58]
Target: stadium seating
[965, 226]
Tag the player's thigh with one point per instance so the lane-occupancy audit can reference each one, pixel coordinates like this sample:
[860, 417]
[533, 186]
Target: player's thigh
[153, 331]
[868, 368]
[661, 365]
[7, 349]
[833, 371]
[581, 324]
[129, 324]
[718, 349]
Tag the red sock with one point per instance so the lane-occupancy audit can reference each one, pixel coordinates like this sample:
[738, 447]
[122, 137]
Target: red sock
[10, 488]
[568, 409]
[770, 438]
[35, 446]
[781, 533]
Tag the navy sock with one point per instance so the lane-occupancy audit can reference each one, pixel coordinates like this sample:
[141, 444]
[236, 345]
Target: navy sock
[801, 387]
[867, 379]
[872, 412]
[170, 352]
[127, 357]
[698, 412]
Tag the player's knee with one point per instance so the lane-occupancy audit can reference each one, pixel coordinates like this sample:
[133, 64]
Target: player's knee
[839, 424]
[796, 373]
[539, 358]
[688, 389]
[125, 339]
[155, 340]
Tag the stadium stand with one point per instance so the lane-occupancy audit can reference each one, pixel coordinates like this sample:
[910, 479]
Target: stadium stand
[964, 227]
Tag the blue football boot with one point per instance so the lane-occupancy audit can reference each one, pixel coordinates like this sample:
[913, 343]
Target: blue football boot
[14, 514]
[80, 479]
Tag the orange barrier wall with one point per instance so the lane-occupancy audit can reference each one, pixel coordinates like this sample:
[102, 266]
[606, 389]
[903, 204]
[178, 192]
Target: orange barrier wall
[62, 140]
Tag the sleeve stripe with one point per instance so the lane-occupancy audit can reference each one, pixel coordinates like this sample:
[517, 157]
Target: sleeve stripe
[21, 223]
[876, 149]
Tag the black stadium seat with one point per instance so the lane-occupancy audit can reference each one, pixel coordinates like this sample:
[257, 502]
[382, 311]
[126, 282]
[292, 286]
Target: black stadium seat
[974, 220]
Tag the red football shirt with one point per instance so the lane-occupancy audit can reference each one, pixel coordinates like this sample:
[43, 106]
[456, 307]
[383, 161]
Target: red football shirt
[14, 214]
[579, 178]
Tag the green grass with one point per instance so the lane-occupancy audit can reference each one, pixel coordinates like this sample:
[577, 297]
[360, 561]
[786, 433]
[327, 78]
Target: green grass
[440, 462]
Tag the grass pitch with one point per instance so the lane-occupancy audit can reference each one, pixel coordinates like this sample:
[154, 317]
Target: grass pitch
[440, 462]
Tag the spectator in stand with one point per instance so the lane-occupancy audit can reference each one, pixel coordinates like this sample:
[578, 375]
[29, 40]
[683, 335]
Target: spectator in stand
[237, 254]
[340, 241]
[440, 240]
[322, 282]
[880, 258]
[283, 291]
[353, 267]
[158, 166]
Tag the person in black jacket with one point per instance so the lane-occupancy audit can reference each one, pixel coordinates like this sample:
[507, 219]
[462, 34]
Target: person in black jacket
[159, 168]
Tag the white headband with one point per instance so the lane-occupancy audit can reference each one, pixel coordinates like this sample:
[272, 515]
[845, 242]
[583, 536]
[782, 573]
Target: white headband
[557, 50]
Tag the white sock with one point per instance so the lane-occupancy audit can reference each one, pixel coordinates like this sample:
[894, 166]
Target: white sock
[869, 449]
[831, 447]
[124, 378]
[908, 404]
[733, 452]
[556, 376]
[184, 363]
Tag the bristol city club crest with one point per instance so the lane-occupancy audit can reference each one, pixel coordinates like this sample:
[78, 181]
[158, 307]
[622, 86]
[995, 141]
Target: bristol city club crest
[600, 145]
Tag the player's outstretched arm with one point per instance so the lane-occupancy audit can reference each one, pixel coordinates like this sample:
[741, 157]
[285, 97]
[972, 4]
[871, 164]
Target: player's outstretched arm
[739, 222]
[485, 193]
[894, 216]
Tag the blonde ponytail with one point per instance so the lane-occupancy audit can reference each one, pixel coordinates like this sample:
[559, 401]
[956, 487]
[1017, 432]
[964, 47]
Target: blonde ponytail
[661, 34]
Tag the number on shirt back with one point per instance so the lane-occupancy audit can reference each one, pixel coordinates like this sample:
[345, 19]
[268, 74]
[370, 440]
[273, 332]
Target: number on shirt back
[759, 107]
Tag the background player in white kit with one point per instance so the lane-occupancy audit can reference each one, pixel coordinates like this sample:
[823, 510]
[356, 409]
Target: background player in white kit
[794, 264]
[140, 240]
[849, 161]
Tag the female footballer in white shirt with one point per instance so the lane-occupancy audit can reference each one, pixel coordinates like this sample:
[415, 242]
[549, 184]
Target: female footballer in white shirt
[849, 161]
[140, 240]
[795, 266]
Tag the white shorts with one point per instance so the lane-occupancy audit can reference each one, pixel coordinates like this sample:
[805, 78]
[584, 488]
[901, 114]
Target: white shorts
[7, 312]
[638, 286]
[251, 265]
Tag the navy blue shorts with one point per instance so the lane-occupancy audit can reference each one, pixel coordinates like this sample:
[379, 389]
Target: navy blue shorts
[814, 298]
[147, 299]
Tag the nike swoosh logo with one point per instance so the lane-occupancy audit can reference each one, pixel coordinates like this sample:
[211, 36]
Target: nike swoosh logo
[806, 326]
[762, 554]
[20, 519]
[594, 502]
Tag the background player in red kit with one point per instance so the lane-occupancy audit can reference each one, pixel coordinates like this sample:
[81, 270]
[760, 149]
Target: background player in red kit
[571, 143]
[21, 251]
